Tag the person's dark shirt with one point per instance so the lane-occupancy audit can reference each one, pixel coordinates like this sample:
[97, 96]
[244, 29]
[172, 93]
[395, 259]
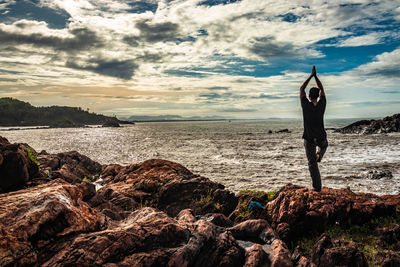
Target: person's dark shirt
[313, 119]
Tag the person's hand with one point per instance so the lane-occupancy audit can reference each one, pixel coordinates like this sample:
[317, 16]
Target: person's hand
[314, 71]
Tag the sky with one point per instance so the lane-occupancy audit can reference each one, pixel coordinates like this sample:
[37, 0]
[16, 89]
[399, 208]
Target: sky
[209, 58]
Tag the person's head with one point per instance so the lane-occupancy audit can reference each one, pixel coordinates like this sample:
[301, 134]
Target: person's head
[314, 93]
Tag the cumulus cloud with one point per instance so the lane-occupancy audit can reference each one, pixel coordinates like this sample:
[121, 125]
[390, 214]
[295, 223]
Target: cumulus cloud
[230, 54]
[385, 65]
[372, 38]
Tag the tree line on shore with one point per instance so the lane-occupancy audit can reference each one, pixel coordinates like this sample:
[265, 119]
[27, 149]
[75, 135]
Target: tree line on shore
[14, 112]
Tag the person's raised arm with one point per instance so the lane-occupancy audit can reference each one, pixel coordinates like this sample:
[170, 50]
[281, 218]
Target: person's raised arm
[320, 87]
[304, 86]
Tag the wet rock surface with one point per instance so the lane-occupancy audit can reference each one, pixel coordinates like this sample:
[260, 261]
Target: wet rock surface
[158, 213]
[388, 124]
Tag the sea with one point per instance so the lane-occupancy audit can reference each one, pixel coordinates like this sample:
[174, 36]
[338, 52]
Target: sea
[240, 154]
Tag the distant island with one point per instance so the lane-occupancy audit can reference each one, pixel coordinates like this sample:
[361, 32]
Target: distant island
[14, 112]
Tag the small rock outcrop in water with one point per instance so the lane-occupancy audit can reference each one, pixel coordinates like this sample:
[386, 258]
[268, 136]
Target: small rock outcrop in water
[379, 174]
[111, 123]
[158, 213]
[388, 124]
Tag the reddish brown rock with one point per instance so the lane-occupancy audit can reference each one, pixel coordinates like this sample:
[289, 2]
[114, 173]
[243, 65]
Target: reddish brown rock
[343, 256]
[323, 243]
[304, 262]
[4, 141]
[224, 251]
[388, 259]
[218, 219]
[257, 257]
[167, 186]
[72, 166]
[110, 171]
[186, 217]
[146, 236]
[297, 210]
[34, 217]
[113, 204]
[253, 230]
[88, 190]
[279, 254]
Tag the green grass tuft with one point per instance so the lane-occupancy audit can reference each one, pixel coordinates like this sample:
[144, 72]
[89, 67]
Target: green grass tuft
[86, 179]
[360, 236]
[32, 155]
[204, 199]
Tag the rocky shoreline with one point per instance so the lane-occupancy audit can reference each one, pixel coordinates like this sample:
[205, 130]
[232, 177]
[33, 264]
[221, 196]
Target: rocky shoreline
[389, 124]
[66, 209]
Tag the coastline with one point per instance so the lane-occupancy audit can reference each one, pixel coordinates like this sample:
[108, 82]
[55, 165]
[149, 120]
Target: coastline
[186, 219]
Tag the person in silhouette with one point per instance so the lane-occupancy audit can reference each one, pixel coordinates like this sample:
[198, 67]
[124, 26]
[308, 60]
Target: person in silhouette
[314, 134]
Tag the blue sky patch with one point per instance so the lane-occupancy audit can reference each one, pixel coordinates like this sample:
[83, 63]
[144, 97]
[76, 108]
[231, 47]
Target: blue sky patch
[31, 10]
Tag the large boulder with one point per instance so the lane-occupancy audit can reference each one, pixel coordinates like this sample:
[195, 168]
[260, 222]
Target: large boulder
[34, 218]
[165, 185]
[18, 165]
[297, 210]
[148, 237]
[343, 256]
[71, 166]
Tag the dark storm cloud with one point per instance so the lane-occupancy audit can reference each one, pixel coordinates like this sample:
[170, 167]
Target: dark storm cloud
[268, 47]
[158, 32]
[82, 39]
[123, 69]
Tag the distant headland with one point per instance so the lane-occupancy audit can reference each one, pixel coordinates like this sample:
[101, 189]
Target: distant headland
[18, 113]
